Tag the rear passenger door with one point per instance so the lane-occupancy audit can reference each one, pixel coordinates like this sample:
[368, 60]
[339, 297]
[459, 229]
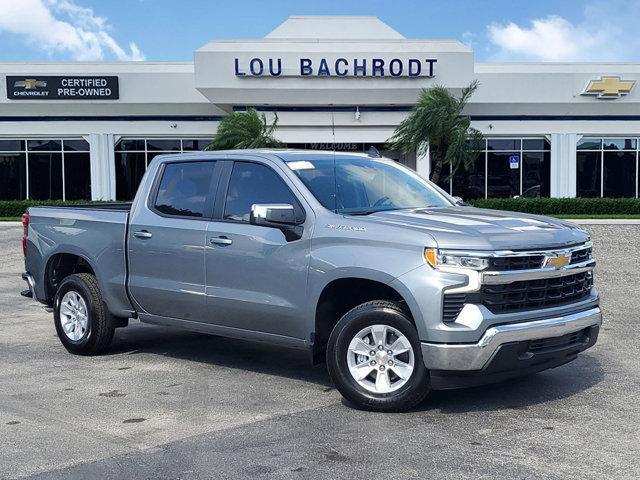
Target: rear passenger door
[167, 237]
[256, 279]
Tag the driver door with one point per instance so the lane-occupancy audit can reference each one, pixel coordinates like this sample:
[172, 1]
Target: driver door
[256, 278]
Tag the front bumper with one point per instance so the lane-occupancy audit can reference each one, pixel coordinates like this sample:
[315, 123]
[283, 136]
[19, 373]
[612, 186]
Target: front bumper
[478, 356]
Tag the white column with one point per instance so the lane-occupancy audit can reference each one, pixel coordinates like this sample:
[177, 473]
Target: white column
[103, 173]
[563, 164]
[423, 164]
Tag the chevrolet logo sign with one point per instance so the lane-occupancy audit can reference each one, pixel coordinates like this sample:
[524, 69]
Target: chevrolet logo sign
[30, 84]
[558, 261]
[609, 87]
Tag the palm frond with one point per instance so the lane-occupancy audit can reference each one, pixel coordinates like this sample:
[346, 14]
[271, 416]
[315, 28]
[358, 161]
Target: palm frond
[437, 122]
[249, 129]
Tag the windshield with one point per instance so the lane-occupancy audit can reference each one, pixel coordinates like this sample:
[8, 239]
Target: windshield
[365, 185]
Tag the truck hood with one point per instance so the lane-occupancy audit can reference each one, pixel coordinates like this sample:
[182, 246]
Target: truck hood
[472, 228]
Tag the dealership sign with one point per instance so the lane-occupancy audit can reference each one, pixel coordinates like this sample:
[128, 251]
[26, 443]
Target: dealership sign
[337, 67]
[62, 88]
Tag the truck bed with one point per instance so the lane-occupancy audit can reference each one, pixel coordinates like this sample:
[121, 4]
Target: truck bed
[94, 232]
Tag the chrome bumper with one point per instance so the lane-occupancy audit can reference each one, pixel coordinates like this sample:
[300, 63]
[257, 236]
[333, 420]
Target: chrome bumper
[474, 356]
[30, 292]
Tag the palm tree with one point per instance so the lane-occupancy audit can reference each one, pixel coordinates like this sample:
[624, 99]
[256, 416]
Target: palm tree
[248, 129]
[436, 122]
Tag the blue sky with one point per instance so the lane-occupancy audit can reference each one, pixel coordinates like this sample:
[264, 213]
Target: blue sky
[540, 30]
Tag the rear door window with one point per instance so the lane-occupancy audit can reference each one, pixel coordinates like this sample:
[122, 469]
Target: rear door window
[185, 189]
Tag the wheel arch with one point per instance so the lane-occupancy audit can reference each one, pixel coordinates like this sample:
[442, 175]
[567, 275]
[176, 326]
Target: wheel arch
[339, 296]
[59, 265]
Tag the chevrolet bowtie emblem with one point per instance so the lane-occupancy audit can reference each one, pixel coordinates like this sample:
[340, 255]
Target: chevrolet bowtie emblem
[609, 87]
[30, 83]
[558, 261]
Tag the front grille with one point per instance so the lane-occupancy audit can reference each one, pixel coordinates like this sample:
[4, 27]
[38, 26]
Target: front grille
[535, 294]
[580, 256]
[452, 304]
[502, 264]
[555, 343]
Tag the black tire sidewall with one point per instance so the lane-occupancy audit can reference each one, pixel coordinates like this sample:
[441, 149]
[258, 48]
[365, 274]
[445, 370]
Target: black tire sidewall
[78, 285]
[353, 322]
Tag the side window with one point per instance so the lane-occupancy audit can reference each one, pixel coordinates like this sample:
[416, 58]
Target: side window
[254, 183]
[185, 189]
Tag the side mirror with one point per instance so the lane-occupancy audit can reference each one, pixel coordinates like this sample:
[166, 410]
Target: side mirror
[273, 215]
[277, 215]
[459, 201]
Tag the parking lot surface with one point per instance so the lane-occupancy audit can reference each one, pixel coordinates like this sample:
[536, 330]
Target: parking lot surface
[165, 403]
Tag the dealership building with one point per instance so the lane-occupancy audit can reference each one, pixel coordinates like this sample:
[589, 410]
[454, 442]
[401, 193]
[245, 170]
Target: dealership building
[88, 130]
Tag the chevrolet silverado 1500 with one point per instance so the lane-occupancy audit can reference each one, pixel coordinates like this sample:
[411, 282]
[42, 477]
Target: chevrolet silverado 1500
[354, 258]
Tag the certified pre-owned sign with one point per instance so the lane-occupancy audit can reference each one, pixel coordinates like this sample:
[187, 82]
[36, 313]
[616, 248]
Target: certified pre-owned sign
[62, 88]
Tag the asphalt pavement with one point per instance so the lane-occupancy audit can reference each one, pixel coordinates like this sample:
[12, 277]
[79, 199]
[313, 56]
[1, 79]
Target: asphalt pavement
[169, 404]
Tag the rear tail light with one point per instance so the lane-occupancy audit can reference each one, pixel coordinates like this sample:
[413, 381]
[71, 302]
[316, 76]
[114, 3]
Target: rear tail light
[25, 232]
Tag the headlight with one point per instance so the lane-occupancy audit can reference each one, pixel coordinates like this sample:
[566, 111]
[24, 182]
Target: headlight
[438, 259]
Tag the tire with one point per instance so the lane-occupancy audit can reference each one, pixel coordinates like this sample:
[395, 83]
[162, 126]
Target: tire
[403, 393]
[80, 293]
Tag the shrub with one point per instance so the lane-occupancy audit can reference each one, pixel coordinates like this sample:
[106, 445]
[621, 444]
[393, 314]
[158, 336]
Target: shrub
[563, 206]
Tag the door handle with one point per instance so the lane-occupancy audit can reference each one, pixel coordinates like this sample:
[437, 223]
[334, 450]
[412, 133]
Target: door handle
[220, 240]
[143, 234]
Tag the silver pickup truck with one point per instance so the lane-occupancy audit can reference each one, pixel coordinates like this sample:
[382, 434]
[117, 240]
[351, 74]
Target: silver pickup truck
[350, 257]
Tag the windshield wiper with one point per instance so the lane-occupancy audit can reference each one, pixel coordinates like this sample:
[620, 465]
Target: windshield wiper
[370, 211]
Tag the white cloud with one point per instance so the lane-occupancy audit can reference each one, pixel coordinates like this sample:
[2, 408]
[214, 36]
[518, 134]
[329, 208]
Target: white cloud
[62, 26]
[606, 32]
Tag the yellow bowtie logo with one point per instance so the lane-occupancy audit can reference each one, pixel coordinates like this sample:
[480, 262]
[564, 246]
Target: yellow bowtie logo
[609, 87]
[30, 83]
[559, 261]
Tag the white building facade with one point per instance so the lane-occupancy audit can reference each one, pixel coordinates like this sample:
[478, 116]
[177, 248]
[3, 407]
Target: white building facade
[88, 130]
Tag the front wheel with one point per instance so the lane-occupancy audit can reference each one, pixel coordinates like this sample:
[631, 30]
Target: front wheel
[83, 323]
[374, 358]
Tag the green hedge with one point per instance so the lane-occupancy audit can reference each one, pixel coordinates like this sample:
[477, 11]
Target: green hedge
[15, 208]
[563, 206]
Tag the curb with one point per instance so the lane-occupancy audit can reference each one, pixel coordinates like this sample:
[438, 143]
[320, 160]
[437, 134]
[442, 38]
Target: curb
[604, 221]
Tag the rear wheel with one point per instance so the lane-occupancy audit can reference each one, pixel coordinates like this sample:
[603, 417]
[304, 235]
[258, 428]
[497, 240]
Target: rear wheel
[374, 358]
[82, 321]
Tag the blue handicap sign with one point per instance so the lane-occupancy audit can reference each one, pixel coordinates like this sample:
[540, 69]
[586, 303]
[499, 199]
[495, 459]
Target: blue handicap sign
[514, 161]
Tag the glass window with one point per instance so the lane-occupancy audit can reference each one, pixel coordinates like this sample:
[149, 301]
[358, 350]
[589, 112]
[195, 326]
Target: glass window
[45, 176]
[357, 185]
[11, 145]
[185, 189]
[253, 183]
[194, 144]
[619, 143]
[77, 175]
[76, 145]
[536, 174]
[44, 145]
[590, 144]
[535, 144]
[131, 145]
[130, 167]
[619, 174]
[13, 176]
[468, 181]
[503, 144]
[588, 174]
[502, 180]
[158, 144]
